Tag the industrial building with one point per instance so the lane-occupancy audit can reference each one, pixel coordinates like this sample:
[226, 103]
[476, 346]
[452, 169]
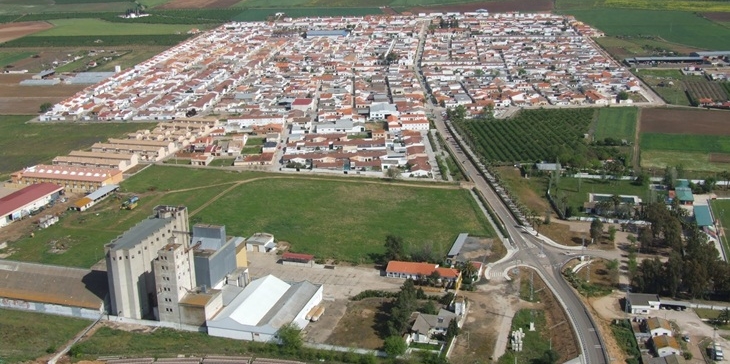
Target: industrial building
[72, 178]
[215, 256]
[22, 203]
[130, 258]
[264, 306]
[93, 198]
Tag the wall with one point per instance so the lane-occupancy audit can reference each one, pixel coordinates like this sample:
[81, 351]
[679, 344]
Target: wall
[77, 312]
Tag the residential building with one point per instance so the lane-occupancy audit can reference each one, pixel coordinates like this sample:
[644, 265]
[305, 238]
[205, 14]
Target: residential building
[642, 303]
[416, 271]
[665, 346]
[426, 326]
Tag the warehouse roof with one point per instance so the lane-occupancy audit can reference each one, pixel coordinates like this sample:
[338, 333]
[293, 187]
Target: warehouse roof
[20, 198]
[53, 284]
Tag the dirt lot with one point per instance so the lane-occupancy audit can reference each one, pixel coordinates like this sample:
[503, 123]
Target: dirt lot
[22, 100]
[721, 17]
[684, 121]
[198, 4]
[18, 30]
[358, 326]
[493, 6]
[719, 158]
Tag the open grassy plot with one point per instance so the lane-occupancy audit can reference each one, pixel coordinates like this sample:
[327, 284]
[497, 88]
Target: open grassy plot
[20, 7]
[690, 161]
[25, 336]
[84, 27]
[616, 122]
[347, 220]
[721, 212]
[667, 83]
[21, 141]
[7, 58]
[623, 47]
[530, 191]
[170, 178]
[152, 3]
[576, 190]
[131, 58]
[673, 26]
[689, 143]
[535, 343]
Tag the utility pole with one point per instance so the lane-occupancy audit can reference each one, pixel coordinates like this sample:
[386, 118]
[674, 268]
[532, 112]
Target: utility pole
[532, 288]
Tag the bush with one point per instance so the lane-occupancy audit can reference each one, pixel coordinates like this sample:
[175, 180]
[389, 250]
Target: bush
[368, 293]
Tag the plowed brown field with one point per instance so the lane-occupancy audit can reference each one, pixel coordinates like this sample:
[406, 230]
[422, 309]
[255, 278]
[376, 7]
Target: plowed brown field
[685, 121]
[23, 100]
[18, 30]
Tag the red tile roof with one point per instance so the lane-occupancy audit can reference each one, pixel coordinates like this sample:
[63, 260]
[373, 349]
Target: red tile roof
[297, 257]
[25, 196]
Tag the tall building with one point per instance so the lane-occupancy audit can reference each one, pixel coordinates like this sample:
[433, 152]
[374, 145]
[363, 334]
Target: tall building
[173, 280]
[215, 255]
[130, 257]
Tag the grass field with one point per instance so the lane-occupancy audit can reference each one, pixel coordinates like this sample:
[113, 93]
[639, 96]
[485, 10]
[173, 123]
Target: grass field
[681, 5]
[673, 26]
[686, 143]
[152, 3]
[616, 122]
[347, 220]
[576, 190]
[47, 6]
[131, 59]
[721, 212]
[85, 27]
[535, 342]
[262, 14]
[622, 47]
[25, 336]
[20, 141]
[691, 161]
[667, 83]
[7, 58]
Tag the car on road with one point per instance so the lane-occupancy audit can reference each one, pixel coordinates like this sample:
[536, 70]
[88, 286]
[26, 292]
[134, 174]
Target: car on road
[685, 338]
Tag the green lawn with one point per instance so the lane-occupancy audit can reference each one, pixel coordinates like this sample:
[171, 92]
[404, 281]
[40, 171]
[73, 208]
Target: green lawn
[569, 187]
[535, 343]
[153, 3]
[7, 58]
[691, 161]
[616, 122]
[86, 26]
[686, 143]
[721, 212]
[131, 58]
[673, 26]
[171, 178]
[20, 141]
[222, 162]
[25, 336]
[347, 220]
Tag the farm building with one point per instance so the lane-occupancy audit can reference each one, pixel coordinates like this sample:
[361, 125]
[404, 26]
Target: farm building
[73, 179]
[258, 311]
[657, 326]
[645, 60]
[453, 254]
[93, 198]
[641, 303]
[214, 254]
[58, 290]
[684, 195]
[20, 204]
[665, 346]
[297, 259]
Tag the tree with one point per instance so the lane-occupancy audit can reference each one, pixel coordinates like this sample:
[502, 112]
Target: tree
[612, 267]
[468, 272]
[641, 179]
[452, 330]
[673, 273]
[290, 336]
[596, 229]
[392, 173]
[394, 346]
[550, 356]
[633, 267]
[612, 233]
[724, 316]
[623, 95]
[394, 248]
[429, 308]
[46, 106]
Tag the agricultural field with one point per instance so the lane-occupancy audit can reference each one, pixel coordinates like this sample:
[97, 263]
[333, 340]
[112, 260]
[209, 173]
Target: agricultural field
[721, 212]
[263, 14]
[26, 336]
[497, 6]
[20, 141]
[679, 5]
[85, 27]
[196, 4]
[18, 30]
[8, 58]
[617, 123]
[622, 47]
[701, 88]
[671, 26]
[697, 139]
[529, 136]
[25, 100]
[20, 7]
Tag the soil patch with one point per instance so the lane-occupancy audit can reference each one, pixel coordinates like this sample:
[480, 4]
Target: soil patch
[23, 100]
[492, 6]
[719, 158]
[12, 31]
[717, 16]
[198, 4]
[360, 325]
[683, 121]
[561, 334]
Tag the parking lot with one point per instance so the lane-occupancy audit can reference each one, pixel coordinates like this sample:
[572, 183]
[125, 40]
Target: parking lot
[339, 283]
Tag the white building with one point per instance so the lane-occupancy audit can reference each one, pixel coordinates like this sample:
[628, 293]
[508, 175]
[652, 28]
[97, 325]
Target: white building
[264, 306]
[641, 303]
[20, 204]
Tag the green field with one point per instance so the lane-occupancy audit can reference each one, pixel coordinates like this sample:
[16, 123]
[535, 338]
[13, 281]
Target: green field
[721, 212]
[688, 143]
[683, 5]
[85, 27]
[577, 192]
[690, 161]
[25, 336]
[262, 14]
[666, 83]
[535, 342]
[673, 26]
[130, 59]
[624, 47]
[347, 220]
[20, 141]
[616, 122]
[7, 58]
[46, 6]
[340, 218]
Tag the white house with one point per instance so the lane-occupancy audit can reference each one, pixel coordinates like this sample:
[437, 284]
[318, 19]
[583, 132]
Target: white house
[665, 346]
[657, 326]
[641, 303]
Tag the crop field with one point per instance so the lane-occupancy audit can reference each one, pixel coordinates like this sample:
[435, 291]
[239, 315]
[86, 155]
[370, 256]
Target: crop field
[704, 89]
[25, 336]
[8, 58]
[497, 6]
[721, 212]
[263, 14]
[20, 141]
[685, 121]
[658, 160]
[528, 136]
[197, 4]
[21, 29]
[689, 143]
[616, 122]
[672, 26]
[25, 100]
[625, 47]
[680, 5]
[85, 27]
[20, 7]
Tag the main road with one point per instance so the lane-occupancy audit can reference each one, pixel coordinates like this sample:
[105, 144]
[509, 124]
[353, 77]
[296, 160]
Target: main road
[546, 259]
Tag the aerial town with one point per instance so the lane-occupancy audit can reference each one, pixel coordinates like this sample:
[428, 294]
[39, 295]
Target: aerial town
[332, 189]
